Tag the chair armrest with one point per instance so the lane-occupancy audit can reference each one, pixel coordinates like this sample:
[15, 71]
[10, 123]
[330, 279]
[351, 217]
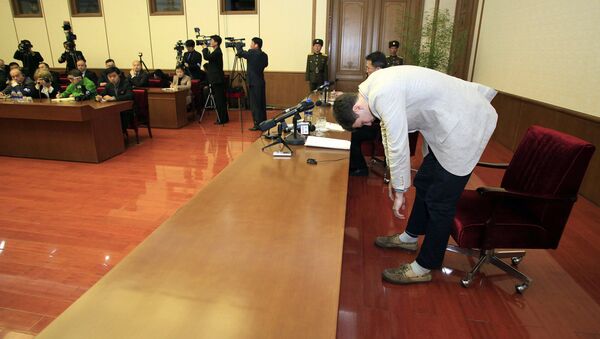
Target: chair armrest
[501, 193]
[492, 165]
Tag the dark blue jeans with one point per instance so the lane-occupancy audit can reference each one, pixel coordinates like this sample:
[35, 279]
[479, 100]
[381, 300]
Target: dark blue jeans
[434, 208]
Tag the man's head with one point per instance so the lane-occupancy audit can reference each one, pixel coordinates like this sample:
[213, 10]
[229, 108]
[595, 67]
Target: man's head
[44, 66]
[75, 76]
[394, 45]
[374, 62]
[317, 45]
[109, 63]
[69, 45]
[215, 41]
[180, 71]
[189, 45]
[17, 75]
[351, 110]
[256, 43]
[1, 63]
[13, 65]
[114, 75]
[136, 65]
[81, 65]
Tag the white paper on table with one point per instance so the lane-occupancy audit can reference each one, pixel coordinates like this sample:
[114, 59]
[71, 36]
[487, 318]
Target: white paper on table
[313, 141]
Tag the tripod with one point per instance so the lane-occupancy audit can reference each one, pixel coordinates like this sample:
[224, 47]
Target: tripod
[279, 140]
[210, 103]
[142, 62]
[238, 72]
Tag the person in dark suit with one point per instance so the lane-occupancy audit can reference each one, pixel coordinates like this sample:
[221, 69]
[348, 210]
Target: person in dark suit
[82, 67]
[192, 60]
[30, 59]
[70, 56]
[109, 63]
[118, 89]
[4, 69]
[257, 62]
[137, 76]
[216, 77]
[19, 83]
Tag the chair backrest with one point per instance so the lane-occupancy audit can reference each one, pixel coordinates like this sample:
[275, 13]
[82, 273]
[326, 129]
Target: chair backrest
[140, 99]
[155, 83]
[548, 162]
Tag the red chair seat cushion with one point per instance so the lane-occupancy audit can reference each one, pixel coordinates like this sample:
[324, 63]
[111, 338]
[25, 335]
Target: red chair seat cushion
[514, 228]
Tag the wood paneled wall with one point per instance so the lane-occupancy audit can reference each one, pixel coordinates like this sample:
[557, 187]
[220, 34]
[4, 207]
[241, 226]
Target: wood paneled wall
[516, 114]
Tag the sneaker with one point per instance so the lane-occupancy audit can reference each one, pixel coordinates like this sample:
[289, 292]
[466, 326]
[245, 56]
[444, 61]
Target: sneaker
[393, 241]
[404, 275]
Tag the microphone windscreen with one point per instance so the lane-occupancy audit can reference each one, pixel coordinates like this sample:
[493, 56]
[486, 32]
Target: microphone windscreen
[318, 103]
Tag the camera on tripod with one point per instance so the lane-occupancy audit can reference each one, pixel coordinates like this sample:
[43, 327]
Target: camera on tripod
[69, 33]
[24, 46]
[235, 43]
[179, 47]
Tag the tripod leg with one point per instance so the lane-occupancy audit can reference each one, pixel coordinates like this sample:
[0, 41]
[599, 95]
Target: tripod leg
[204, 108]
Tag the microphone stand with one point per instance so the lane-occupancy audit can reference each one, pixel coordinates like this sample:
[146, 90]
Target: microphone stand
[295, 138]
[279, 140]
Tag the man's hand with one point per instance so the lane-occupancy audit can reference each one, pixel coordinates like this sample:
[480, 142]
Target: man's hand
[132, 73]
[399, 201]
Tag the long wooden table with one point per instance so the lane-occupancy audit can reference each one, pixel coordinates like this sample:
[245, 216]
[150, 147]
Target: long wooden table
[167, 108]
[85, 131]
[256, 254]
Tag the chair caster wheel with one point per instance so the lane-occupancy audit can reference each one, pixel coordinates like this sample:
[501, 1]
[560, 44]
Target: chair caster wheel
[466, 282]
[516, 260]
[521, 288]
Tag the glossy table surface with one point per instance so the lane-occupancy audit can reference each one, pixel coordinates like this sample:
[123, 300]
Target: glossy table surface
[256, 254]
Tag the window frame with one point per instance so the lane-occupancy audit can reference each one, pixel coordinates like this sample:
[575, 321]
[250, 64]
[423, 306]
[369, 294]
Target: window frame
[15, 6]
[75, 11]
[225, 12]
[152, 9]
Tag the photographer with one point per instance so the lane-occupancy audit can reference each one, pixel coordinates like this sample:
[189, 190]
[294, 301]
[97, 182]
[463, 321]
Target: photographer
[43, 85]
[70, 55]
[117, 90]
[192, 60]
[19, 83]
[257, 62]
[216, 77]
[80, 88]
[137, 76]
[30, 59]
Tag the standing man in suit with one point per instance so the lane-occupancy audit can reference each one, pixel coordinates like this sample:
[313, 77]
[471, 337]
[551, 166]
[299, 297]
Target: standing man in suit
[137, 76]
[316, 66]
[30, 59]
[192, 60]
[82, 67]
[118, 89]
[456, 120]
[257, 62]
[393, 59]
[216, 77]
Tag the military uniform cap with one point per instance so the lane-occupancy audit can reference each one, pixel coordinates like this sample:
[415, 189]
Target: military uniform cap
[394, 43]
[318, 42]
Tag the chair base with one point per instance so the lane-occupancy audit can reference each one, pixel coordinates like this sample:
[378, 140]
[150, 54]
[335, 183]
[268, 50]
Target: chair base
[494, 257]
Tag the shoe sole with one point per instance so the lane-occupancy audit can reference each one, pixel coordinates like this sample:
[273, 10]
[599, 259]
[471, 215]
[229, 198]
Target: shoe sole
[408, 282]
[394, 246]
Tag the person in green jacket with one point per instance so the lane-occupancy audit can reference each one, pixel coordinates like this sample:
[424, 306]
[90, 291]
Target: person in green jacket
[80, 88]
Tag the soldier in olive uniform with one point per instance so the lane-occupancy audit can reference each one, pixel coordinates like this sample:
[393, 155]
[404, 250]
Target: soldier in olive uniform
[393, 59]
[316, 66]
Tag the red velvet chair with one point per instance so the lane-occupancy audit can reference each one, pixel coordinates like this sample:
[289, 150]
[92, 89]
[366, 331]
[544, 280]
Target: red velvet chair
[239, 95]
[530, 208]
[197, 97]
[374, 148]
[142, 112]
[156, 83]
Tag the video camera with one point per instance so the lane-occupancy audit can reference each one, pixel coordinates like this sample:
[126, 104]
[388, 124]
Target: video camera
[234, 43]
[179, 46]
[24, 46]
[201, 40]
[69, 32]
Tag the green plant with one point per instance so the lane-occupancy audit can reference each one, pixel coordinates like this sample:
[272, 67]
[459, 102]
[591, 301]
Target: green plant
[434, 47]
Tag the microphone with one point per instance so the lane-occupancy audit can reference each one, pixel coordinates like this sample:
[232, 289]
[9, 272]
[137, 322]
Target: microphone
[303, 106]
[319, 103]
[323, 86]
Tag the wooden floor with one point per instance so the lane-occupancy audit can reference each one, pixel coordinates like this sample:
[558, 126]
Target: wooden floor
[64, 225]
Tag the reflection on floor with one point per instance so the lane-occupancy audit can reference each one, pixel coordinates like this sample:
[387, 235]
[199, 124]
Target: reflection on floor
[562, 302]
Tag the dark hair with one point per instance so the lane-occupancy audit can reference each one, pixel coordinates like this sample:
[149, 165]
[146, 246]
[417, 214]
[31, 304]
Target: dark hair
[75, 73]
[190, 43]
[343, 112]
[377, 59]
[17, 64]
[109, 60]
[258, 41]
[181, 67]
[217, 39]
[113, 70]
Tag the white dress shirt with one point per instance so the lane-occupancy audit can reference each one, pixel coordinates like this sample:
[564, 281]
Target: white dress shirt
[454, 117]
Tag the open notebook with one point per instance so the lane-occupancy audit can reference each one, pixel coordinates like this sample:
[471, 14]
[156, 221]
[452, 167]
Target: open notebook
[312, 141]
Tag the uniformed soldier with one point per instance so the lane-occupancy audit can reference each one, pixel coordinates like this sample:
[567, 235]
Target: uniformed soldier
[393, 59]
[316, 66]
